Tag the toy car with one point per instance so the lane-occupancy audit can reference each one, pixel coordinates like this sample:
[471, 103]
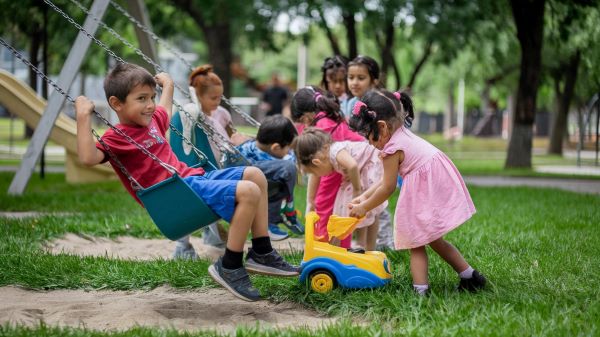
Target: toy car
[326, 266]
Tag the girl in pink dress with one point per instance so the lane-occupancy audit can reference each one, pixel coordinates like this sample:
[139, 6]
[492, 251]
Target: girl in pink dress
[312, 106]
[360, 167]
[433, 200]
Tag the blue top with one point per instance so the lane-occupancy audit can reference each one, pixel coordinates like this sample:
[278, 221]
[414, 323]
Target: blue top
[347, 107]
[253, 154]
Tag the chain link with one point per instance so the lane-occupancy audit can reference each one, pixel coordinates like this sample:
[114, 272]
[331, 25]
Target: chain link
[170, 48]
[68, 97]
[224, 144]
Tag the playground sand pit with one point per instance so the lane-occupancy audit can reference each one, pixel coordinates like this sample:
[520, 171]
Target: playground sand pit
[131, 248]
[163, 307]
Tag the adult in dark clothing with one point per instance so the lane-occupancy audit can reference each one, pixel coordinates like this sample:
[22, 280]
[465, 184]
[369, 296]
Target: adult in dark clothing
[275, 97]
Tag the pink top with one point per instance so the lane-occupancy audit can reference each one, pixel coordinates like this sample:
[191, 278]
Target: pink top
[433, 199]
[330, 184]
[339, 131]
[140, 166]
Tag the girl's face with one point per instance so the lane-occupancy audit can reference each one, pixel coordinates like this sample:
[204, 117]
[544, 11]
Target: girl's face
[359, 80]
[336, 81]
[320, 166]
[211, 99]
[384, 135]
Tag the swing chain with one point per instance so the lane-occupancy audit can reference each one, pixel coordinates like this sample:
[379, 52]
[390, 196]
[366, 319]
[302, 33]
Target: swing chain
[68, 97]
[170, 48]
[224, 149]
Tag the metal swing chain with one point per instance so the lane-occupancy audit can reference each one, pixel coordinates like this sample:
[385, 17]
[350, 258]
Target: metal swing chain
[170, 48]
[224, 146]
[132, 180]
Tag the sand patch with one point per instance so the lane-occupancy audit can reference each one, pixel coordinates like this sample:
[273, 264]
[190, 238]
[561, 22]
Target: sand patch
[163, 307]
[126, 247]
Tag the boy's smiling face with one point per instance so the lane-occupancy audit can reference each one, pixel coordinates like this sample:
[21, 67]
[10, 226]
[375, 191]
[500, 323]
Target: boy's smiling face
[138, 108]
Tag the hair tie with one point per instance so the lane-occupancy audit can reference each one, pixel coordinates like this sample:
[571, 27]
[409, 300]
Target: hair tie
[357, 107]
[317, 96]
[397, 95]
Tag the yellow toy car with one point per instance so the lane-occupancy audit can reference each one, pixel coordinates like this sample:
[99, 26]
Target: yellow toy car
[326, 266]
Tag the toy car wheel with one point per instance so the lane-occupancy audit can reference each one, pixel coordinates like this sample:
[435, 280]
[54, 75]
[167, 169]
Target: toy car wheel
[322, 281]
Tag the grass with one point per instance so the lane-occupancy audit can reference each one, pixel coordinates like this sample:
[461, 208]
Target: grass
[538, 247]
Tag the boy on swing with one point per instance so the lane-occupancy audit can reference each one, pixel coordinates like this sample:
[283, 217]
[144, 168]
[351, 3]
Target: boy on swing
[237, 194]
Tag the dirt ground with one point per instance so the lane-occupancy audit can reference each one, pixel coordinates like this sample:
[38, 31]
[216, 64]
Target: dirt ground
[164, 307]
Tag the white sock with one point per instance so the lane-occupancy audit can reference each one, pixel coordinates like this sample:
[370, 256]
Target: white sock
[421, 289]
[467, 273]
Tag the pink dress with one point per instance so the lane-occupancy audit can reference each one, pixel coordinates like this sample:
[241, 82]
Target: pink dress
[329, 185]
[433, 199]
[370, 171]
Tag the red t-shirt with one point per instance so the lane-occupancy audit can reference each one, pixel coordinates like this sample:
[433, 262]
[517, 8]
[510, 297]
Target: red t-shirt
[140, 166]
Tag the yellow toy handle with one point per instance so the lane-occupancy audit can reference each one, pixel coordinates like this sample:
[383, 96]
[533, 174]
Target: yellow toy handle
[340, 227]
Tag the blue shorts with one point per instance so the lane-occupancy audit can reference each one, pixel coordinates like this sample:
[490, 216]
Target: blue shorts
[217, 189]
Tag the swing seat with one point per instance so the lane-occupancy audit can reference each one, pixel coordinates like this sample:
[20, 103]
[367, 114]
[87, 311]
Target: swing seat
[175, 208]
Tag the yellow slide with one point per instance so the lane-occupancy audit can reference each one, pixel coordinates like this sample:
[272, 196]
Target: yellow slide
[19, 99]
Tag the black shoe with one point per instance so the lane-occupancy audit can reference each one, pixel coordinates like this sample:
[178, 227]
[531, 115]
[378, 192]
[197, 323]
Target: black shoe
[269, 264]
[474, 283]
[235, 280]
[291, 222]
[357, 250]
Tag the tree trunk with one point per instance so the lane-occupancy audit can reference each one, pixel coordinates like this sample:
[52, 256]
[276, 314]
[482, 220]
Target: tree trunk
[350, 25]
[217, 34]
[218, 39]
[419, 65]
[386, 45]
[529, 19]
[335, 47]
[557, 134]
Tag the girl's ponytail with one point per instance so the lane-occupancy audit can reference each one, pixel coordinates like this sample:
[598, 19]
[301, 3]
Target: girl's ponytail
[407, 107]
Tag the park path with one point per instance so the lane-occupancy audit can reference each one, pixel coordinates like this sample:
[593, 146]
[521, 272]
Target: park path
[589, 186]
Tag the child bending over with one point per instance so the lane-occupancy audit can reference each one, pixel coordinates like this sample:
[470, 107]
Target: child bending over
[357, 162]
[433, 200]
[238, 194]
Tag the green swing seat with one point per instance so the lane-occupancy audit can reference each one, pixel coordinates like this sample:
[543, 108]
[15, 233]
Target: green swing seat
[174, 207]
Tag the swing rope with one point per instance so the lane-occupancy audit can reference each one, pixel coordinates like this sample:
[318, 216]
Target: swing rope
[177, 54]
[224, 144]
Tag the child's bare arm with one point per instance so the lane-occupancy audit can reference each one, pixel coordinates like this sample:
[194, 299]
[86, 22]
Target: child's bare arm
[350, 167]
[87, 152]
[166, 98]
[384, 190]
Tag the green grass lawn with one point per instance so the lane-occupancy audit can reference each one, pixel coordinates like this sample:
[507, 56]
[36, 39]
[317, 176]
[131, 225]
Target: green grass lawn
[538, 247]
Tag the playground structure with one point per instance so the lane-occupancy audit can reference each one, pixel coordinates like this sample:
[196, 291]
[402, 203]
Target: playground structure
[72, 65]
[326, 266]
[21, 100]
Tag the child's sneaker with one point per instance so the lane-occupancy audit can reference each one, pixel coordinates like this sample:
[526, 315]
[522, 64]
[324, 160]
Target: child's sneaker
[269, 264]
[236, 281]
[185, 252]
[291, 222]
[276, 233]
[474, 283]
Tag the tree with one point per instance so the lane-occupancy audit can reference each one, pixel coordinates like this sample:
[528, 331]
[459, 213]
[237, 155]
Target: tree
[569, 36]
[529, 20]
[222, 22]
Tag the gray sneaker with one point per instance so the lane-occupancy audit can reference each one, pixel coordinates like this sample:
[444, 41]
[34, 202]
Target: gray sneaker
[269, 264]
[185, 252]
[236, 281]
